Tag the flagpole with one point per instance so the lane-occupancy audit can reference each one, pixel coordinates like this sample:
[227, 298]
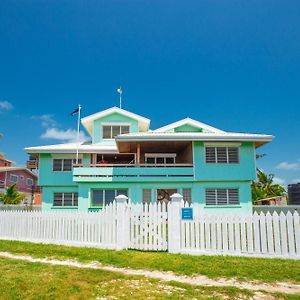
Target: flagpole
[78, 131]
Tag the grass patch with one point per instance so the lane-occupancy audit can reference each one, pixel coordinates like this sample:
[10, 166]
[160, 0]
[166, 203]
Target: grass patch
[242, 268]
[24, 280]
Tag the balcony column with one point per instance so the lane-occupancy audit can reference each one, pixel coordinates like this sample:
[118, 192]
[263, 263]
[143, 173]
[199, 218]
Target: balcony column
[138, 154]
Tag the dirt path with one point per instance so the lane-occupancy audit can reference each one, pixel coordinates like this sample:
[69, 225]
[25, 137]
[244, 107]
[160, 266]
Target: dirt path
[200, 280]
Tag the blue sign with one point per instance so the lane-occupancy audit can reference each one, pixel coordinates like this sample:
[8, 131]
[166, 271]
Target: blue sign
[187, 213]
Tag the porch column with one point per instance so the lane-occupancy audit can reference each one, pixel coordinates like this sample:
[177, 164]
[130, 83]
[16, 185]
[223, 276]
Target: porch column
[138, 154]
[174, 222]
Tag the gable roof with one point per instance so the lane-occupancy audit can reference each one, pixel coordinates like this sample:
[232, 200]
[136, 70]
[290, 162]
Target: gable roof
[87, 122]
[191, 122]
[6, 169]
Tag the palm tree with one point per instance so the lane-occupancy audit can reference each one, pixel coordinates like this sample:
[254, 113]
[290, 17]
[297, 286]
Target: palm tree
[265, 187]
[11, 196]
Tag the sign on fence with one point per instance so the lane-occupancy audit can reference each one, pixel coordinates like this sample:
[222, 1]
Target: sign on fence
[187, 213]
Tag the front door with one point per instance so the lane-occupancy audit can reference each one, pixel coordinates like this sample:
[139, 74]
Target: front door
[164, 195]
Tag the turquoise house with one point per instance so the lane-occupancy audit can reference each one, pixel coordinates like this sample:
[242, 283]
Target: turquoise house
[206, 165]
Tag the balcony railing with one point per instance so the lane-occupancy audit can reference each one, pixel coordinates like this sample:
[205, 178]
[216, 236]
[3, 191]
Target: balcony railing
[130, 172]
[32, 164]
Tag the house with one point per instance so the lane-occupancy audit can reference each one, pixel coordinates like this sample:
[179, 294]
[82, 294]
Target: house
[206, 165]
[24, 179]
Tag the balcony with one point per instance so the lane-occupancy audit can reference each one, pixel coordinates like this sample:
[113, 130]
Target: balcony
[132, 172]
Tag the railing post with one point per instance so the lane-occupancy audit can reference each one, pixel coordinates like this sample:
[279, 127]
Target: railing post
[122, 223]
[174, 222]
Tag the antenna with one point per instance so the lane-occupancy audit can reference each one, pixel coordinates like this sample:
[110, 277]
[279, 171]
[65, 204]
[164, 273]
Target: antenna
[120, 91]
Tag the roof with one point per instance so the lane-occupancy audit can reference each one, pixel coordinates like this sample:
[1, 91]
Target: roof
[87, 122]
[6, 169]
[259, 139]
[188, 121]
[84, 147]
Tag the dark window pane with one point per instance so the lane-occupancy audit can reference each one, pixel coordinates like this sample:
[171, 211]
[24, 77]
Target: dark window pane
[57, 164]
[122, 192]
[109, 196]
[222, 196]
[67, 164]
[210, 155]
[68, 199]
[57, 199]
[124, 129]
[233, 155]
[97, 197]
[150, 160]
[75, 199]
[107, 132]
[187, 195]
[210, 197]
[115, 131]
[221, 155]
[146, 196]
[170, 160]
[160, 160]
[233, 195]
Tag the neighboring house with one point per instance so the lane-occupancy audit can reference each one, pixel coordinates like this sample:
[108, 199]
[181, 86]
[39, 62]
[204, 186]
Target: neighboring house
[277, 200]
[206, 165]
[24, 179]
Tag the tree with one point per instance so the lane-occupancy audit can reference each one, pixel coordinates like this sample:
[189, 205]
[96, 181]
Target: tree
[11, 196]
[264, 187]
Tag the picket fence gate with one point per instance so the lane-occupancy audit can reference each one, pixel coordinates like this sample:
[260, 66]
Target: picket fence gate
[159, 227]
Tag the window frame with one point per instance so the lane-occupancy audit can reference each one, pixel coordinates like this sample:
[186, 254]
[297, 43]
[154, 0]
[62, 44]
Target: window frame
[13, 175]
[227, 147]
[62, 201]
[73, 162]
[27, 179]
[156, 156]
[92, 205]
[111, 125]
[216, 200]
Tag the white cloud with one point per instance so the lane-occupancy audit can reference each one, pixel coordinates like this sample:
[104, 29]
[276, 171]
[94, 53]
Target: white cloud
[5, 105]
[288, 166]
[47, 120]
[279, 181]
[69, 135]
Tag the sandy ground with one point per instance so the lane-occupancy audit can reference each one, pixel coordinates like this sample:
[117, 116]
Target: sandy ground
[197, 280]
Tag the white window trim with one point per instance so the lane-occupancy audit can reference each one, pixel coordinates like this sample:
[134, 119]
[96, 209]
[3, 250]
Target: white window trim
[111, 124]
[13, 175]
[62, 164]
[30, 180]
[217, 163]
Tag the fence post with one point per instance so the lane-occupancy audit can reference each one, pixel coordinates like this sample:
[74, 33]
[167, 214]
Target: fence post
[174, 222]
[122, 223]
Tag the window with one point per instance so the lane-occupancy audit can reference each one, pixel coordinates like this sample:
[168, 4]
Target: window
[187, 195]
[146, 196]
[222, 197]
[13, 178]
[29, 181]
[105, 197]
[22, 177]
[160, 159]
[111, 131]
[65, 199]
[64, 164]
[222, 155]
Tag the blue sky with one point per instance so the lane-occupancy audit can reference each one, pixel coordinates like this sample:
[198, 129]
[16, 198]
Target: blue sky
[232, 64]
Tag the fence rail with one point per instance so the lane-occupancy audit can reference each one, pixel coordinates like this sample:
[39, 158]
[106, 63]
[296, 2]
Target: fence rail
[159, 227]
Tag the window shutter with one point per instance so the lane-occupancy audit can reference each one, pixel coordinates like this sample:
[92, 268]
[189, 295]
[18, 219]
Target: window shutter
[210, 155]
[233, 196]
[57, 199]
[233, 155]
[210, 197]
[222, 197]
[68, 199]
[221, 155]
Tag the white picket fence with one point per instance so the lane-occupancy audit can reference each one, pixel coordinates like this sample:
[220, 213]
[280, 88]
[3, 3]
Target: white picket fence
[157, 227]
[83, 229]
[148, 226]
